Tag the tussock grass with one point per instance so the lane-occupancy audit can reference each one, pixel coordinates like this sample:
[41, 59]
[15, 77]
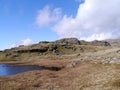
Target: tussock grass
[116, 83]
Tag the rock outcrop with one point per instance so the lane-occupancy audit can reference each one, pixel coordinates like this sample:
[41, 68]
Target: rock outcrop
[100, 43]
[114, 42]
[68, 41]
[59, 47]
[95, 43]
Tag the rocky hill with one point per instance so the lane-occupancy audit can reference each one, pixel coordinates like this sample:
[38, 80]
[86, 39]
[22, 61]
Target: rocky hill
[95, 43]
[68, 41]
[58, 47]
[114, 42]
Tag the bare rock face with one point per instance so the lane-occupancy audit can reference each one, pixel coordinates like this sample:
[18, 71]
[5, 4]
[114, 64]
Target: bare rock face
[68, 41]
[114, 42]
[95, 43]
[100, 43]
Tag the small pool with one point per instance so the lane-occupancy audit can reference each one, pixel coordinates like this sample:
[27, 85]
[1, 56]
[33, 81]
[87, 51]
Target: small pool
[8, 69]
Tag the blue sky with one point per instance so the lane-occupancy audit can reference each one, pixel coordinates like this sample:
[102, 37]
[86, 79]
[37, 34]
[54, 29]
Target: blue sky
[18, 17]
[23, 22]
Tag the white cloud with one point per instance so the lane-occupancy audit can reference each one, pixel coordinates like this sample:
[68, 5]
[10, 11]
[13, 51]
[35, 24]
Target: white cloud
[100, 36]
[95, 19]
[22, 42]
[47, 16]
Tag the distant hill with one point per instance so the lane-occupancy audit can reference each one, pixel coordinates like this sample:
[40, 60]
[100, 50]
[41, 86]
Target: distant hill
[114, 42]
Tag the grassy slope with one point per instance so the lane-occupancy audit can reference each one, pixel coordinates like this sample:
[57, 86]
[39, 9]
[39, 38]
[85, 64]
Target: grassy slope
[12, 54]
[85, 76]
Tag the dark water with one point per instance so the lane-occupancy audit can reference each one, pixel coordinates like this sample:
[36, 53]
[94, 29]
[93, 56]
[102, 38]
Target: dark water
[7, 70]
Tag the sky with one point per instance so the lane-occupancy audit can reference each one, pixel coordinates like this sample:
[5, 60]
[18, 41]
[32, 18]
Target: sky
[24, 22]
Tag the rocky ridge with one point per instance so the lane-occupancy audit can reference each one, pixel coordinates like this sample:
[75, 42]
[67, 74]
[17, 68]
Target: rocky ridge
[59, 47]
[114, 42]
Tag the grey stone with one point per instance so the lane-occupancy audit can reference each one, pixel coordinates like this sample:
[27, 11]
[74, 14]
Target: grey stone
[68, 41]
[71, 65]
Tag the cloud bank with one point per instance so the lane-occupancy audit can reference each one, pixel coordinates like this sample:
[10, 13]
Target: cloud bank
[47, 16]
[22, 42]
[94, 20]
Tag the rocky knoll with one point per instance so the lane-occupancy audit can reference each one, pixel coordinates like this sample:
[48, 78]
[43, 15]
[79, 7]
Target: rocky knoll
[68, 41]
[75, 41]
[95, 43]
[100, 43]
[58, 47]
[114, 42]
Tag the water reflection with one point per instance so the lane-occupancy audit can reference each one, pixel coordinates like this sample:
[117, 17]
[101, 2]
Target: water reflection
[6, 69]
